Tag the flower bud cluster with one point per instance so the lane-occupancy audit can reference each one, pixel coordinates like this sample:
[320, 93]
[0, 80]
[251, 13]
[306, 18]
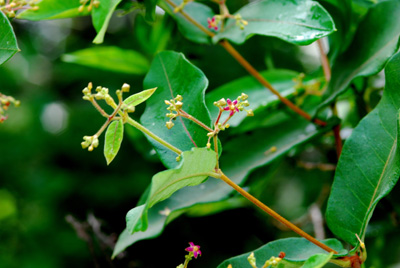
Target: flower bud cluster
[90, 142]
[273, 261]
[235, 106]
[102, 94]
[240, 22]
[5, 102]
[10, 7]
[175, 105]
[93, 3]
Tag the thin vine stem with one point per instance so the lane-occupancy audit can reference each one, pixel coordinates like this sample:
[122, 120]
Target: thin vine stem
[324, 61]
[231, 50]
[275, 215]
[146, 131]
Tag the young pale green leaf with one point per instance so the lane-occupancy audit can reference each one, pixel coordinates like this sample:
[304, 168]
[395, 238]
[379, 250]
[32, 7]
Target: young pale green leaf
[259, 96]
[8, 41]
[375, 41]
[173, 74]
[297, 22]
[113, 140]
[317, 261]
[140, 97]
[53, 9]
[235, 165]
[101, 17]
[297, 251]
[198, 12]
[111, 59]
[369, 165]
[196, 165]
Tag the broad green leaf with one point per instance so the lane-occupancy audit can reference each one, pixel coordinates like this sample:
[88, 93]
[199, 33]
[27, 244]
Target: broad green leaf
[173, 74]
[53, 9]
[297, 22]
[140, 97]
[8, 41]
[236, 163]
[297, 251]
[317, 261]
[198, 12]
[113, 140]
[375, 41]
[369, 165]
[259, 96]
[194, 168]
[101, 17]
[111, 59]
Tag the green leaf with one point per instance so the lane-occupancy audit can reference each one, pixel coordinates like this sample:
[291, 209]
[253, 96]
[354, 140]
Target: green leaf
[297, 22]
[8, 41]
[53, 9]
[140, 97]
[113, 140]
[369, 165]
[198, 12]
[235, 165]
[101, 17]
[150, 9]
[111, 59]
[195, 167]
[173, 74]
[317, 261]
[297, 250]
[259, 96]
[368, 53]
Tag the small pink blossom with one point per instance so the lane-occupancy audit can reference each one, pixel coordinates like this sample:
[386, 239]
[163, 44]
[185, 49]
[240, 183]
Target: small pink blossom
[212, 23]
[195, 249]
[232, 106]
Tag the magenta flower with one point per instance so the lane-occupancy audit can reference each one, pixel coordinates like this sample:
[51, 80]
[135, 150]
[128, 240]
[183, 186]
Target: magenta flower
[232, 106]
[212, 23]
[195, 249]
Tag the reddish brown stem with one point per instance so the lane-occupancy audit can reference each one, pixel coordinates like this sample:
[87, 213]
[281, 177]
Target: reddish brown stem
[324, 61]
[231, 50]
[275, 215]
[338, 140]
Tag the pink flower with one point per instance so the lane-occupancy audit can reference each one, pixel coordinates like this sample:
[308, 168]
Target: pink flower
[195, 249]
[232, 106]
[212, 23]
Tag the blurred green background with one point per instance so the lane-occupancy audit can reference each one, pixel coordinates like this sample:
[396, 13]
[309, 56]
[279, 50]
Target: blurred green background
[46, 178]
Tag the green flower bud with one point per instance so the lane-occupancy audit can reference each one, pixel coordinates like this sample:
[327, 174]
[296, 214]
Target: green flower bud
[125, 87]
[169, 124]
[179, 98]
[250, 112]
[208, 145]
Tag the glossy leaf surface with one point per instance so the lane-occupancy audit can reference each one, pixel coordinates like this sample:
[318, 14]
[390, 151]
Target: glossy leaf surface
[198, 12]
[259, 96]
[53, 9]
[8, 41]
[193, 170]
[140, 97]
[297, 22]
[317, 261]
[110, 58]
[297, 250]
[101, 17]
[236, 166]
[173, 74]
[375, 41]
[369, 165]
[113, 140]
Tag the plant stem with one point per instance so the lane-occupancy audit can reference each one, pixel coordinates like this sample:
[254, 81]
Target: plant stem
[242, 61]
[215, 138]
[228, 47]
[152, 135]
[275, 215]
[194, 119]
[324, 61]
